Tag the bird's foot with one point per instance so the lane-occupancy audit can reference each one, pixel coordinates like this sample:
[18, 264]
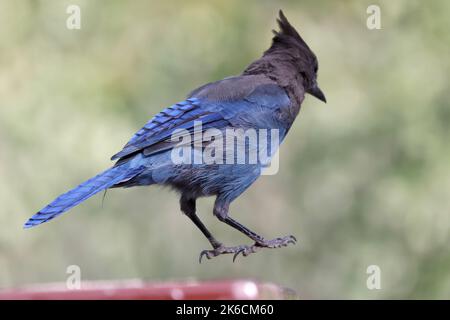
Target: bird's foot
[276, 243]
[271, 244]
[247, 250]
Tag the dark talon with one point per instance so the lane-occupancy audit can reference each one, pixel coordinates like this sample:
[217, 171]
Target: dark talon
[237, 253]
[203, 253]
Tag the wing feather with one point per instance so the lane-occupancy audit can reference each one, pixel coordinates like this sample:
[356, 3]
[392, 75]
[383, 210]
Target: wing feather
[238, 101]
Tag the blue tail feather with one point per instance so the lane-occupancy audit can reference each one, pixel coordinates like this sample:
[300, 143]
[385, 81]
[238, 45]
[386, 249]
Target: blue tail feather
[81, 193]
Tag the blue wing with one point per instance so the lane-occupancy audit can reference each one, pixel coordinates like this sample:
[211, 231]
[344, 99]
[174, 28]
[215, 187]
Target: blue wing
[233, 102]
[178, 116]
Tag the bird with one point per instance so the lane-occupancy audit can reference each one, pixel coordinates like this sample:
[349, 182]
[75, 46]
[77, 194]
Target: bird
[267, 95]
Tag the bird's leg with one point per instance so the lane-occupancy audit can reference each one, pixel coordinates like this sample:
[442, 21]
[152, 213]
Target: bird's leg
[221, 212]
[188, 208]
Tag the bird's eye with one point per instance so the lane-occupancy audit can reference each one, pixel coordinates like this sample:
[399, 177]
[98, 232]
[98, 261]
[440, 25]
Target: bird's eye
[315, 69]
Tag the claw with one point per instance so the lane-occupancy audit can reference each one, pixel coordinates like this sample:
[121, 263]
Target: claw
[292, 240]
[237, 253]
[202, 254]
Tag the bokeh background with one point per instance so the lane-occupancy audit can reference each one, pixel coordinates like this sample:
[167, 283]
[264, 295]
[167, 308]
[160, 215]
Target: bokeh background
[363, 180]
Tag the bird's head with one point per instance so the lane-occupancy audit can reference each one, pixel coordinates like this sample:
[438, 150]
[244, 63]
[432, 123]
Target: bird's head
[287, 41]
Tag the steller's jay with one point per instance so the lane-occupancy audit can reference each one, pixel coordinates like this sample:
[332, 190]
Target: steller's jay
[267, 95]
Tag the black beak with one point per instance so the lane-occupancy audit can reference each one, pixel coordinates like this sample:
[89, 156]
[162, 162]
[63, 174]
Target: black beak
[316, 92]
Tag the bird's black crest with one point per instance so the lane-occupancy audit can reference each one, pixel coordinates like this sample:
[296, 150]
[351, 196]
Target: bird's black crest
[287, 36]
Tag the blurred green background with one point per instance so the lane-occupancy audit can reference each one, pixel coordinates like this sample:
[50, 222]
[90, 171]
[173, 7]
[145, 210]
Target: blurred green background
[363, 180]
